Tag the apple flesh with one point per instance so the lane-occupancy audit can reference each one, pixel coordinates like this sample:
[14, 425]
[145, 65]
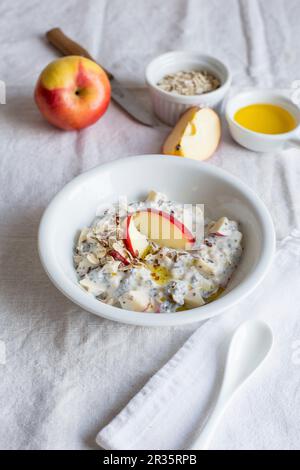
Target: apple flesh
[220, 228]
[136, 300]
[196, 135]
[193, 299]
[205, 266]
[154, 196]
[163, 229]
[72, 92]
[136, 242]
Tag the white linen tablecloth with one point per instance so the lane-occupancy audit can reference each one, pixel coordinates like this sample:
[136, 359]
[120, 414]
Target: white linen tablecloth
[173, 406]
[64, 372]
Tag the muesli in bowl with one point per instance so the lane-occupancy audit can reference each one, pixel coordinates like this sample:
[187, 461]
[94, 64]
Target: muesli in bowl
[157, 255]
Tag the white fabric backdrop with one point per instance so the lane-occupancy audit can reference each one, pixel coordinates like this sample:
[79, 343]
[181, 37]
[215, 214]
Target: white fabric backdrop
[67, 372]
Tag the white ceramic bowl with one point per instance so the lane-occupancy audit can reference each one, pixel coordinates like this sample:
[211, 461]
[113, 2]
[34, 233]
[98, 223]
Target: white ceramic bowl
[169, 107]
[257, 141]
[181, 179]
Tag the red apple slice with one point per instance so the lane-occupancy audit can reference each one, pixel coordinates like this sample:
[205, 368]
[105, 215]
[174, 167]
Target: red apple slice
[163, 229]
[119, 257]
[136, 242]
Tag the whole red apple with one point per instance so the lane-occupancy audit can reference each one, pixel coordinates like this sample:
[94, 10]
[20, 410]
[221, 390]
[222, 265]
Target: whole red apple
[72, 92]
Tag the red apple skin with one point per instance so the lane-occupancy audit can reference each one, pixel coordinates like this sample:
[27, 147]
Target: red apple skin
[72, 92]
[188, 235]
[127, 240]
[118, 257]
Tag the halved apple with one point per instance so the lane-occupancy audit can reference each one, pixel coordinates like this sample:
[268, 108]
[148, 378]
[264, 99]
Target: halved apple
[196, 135]
[163, 229]
[136, 242]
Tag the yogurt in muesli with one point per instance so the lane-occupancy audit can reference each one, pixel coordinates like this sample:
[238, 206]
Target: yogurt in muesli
[162, 279]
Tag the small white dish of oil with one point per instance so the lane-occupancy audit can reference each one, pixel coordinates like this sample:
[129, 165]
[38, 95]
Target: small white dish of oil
[263, 121]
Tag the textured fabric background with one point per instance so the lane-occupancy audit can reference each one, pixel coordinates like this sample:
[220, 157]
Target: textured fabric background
[66, 372]
[171, 408]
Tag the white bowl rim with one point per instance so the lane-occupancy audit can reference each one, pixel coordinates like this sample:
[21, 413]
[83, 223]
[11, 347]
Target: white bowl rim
[89, 303]
[271, 137]
[190, 99]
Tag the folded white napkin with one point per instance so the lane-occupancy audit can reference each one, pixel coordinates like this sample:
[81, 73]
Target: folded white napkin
[175, 401]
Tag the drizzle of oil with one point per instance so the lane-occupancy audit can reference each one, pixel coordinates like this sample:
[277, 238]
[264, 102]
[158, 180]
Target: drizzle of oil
[182, 308]
[159, 274]
[148, 251]
[215, 295]
[209, 299]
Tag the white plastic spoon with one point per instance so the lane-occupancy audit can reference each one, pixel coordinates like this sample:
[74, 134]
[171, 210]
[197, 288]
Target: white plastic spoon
[248, 348]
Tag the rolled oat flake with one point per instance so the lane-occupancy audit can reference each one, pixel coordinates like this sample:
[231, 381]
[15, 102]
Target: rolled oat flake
[193, 82]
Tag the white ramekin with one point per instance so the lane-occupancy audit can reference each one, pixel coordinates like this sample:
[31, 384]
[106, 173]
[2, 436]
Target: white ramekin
[257, 141]
[167, 106]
